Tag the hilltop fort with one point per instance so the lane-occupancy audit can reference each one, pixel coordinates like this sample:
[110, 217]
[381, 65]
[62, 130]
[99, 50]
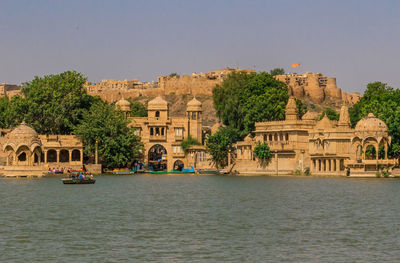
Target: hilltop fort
[315, 86]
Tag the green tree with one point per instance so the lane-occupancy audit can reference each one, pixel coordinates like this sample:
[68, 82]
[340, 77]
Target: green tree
[137, 109]
[384, 102]
[331, 114]
[263, 153]
[173, 74]
[54, 104]
[188, 142]
[117, 144]
[243, 99]
[219, 144]
[277, 71]
[301, 107]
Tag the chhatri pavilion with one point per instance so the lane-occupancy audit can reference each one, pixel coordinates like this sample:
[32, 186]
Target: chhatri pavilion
[28, 154]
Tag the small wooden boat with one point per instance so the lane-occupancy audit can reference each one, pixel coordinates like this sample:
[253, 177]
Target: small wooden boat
[78, 181]
[181, 172]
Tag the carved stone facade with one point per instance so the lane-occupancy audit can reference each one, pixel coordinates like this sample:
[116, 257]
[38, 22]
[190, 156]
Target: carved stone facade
[162, 134]
[325, 147]
[26, 153]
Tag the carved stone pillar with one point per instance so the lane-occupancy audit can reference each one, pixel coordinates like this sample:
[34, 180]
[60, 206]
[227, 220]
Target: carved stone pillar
[58, 156]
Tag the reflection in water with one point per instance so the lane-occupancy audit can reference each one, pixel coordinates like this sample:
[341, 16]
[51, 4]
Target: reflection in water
[200, 218]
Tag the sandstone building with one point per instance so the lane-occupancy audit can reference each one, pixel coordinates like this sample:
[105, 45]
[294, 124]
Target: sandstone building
[10, 90]
[26, 153]
[325, 147]
[162, 134]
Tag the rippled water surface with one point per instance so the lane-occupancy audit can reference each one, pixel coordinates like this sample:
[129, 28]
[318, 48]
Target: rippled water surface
[200, 219]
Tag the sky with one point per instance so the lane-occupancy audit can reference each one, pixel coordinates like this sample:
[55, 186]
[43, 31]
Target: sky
[357, 42]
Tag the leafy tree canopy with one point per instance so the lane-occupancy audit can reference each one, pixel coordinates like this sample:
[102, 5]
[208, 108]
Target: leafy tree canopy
[277, 71]
[331, 114]
[137, 109]
[117, 144]
[54, 104]
[188, 142]
[220, 143]
[243, 99]
[262, 151]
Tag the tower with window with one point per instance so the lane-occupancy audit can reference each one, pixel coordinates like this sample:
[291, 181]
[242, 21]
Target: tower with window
[194, 114]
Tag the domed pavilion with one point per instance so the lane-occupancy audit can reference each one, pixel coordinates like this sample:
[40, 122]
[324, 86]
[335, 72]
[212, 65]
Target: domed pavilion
[26, 153]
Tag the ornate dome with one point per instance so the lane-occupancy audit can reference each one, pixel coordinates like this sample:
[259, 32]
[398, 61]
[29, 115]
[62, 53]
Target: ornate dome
[310, 115]
[158, 104]
[123, 104]
[371, 125]
[22, 135]
[194, 105]
[23, 131]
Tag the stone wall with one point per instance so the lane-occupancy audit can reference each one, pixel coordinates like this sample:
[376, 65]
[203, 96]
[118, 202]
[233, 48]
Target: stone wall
[196, 84]
[316, 86]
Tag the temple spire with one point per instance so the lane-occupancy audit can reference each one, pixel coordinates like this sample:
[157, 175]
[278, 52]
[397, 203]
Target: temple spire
[291, 112]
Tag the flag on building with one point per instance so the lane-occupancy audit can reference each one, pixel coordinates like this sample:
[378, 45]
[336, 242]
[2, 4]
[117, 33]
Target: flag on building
[295, 65]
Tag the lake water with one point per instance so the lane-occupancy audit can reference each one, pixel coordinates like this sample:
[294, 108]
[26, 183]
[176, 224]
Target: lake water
[158, 218]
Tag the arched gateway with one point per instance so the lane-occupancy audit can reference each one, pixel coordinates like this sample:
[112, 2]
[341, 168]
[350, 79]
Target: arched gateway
[157, 158]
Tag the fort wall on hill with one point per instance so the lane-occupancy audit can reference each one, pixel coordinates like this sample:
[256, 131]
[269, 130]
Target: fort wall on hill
[316, 86]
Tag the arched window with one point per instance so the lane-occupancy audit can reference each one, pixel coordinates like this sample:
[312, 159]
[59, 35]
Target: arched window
[270, 137]
[157, 114]
[22, 157]
[287, 136]
[151, 131]
[51, 156]
[76, 156]
[276, 137]
[64, 156]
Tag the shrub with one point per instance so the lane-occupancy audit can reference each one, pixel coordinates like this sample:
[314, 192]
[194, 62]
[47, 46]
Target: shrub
[297, 172]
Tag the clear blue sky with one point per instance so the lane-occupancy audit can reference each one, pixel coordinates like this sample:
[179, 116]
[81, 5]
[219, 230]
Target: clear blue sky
[356, 41]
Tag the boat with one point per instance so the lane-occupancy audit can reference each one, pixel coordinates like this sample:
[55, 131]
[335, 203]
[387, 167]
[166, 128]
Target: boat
[123, 171]
[157, 172]
[181, 172]
[78, 177]
[78, 181]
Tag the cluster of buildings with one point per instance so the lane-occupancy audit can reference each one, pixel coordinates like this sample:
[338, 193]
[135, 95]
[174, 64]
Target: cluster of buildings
[324, 147]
